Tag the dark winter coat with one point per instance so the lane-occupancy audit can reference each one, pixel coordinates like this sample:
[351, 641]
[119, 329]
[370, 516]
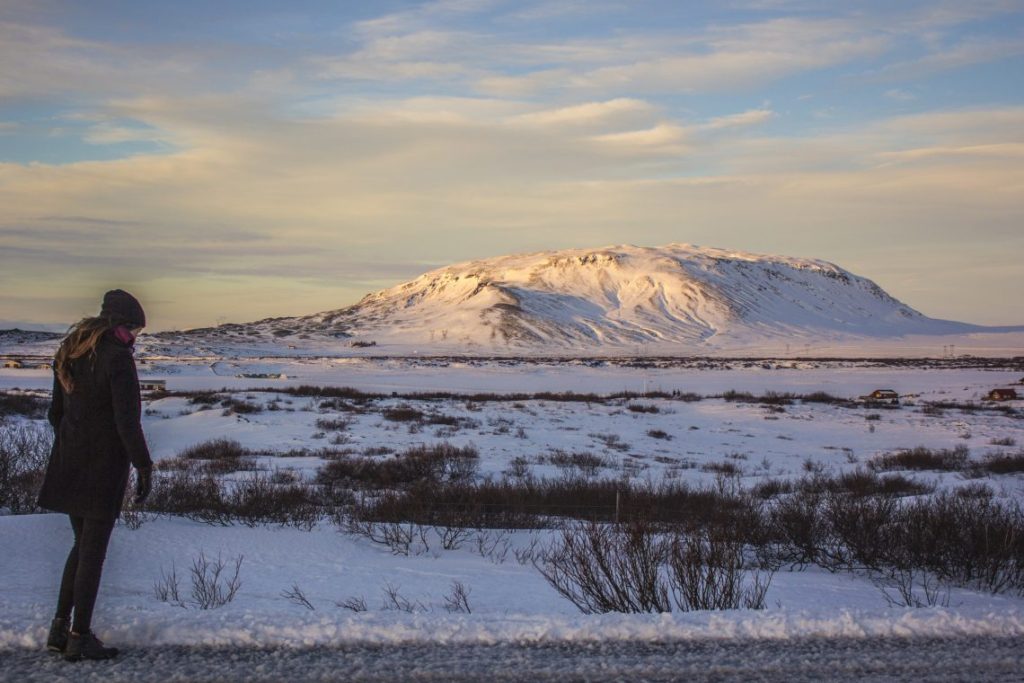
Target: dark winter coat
[98, 434]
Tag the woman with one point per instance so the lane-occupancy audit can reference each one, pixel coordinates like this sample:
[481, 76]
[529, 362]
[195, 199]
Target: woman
[96, 417]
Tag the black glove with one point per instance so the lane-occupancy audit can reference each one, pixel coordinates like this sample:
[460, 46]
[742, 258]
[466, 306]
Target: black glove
[143, 483]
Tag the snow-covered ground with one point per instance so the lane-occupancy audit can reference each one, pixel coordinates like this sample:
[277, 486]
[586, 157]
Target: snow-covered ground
[510, 600]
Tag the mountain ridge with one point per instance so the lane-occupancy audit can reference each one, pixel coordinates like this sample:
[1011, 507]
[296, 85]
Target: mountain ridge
[617, 296]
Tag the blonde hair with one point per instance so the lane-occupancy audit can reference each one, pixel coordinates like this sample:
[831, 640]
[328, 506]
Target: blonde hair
[81, 339]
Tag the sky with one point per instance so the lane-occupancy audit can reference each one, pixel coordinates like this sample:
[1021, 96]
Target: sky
[243, 159]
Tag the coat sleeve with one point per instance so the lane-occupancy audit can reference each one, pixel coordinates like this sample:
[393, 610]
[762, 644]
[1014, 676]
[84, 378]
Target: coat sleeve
[127, 400]
[56, 411]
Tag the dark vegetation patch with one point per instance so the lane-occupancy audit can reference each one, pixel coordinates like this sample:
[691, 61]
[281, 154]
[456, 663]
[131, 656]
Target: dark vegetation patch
[24, 405]
[417, 465]
[1003, 463]
[214, 449]
[233, 406]
[643, 408]
[402, 413]
[659, 434]
[252, 501]
[586, 462]
[24, 453]
[333, 424]
[921, 458]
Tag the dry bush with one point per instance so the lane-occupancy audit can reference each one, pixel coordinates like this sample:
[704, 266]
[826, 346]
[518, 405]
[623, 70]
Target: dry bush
[258, 500]
[189, 494]
[252, 501]
[1003, 463]
[233, 406]
[402, 413]
[643, 408]
[659, 434]
[214, 449]
[296, 596]
[586, 462]
[333, 424]
[602, 568]
[921, 458]
[211, 586]
[708, 574]
[24, 454]
[435, 463]
[458, 599]
[24, 405]
[973, 541]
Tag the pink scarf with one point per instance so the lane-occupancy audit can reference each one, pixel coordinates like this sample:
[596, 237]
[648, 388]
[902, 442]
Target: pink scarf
[124, 335]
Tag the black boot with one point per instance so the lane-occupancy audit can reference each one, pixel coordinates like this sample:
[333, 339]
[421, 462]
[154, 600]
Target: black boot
[87, 646]
[58, 638]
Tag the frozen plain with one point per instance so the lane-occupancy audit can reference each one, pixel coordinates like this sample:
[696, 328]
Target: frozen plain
[511, 602]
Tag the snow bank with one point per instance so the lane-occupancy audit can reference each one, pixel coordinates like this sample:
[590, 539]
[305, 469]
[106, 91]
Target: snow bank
[183, 627]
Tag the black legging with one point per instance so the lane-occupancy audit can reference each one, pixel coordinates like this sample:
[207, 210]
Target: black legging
[82, 571]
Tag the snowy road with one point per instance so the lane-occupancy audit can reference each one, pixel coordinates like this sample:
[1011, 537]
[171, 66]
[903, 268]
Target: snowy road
[871, 659]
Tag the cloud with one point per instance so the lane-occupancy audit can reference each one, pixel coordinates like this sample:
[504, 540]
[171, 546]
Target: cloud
[976, 50]
[751, 117]
[614, 112]
[723, 58]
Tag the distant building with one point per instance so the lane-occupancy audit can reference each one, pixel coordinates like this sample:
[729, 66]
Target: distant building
[155, 385]
[13, 364]
[1001, 395]
[883, 395]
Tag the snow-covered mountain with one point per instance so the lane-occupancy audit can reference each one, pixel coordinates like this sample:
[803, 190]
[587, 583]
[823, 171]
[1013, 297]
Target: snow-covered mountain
[676, 297]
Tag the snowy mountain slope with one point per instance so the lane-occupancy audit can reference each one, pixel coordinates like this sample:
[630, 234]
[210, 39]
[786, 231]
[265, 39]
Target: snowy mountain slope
[675, 299]
[622, 296]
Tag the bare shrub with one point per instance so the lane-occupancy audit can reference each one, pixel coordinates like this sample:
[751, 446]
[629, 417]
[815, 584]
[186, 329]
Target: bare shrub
[611, 441]
[397, 536]
[458, 599]
[1003, 441]
[452, 537]
[859, 528]
[167, 589]
[921, 458]
[800, 527]
[1004, 463]
[394, 600]
[258, 500]
[862, 482]
[707, 574]
[214, 449]
[211, 586]
[22, 404]
[434, 463]
[189, 494]
[493, 545]
[968, 541]
[296, 596]
[234, 406]
[601, 568]
[659, 434]
[402, 413]
[913, 587]
[24, 453]
[354, 603]
[727, 468]
[587, 463]
[643, 408]
[333, 424]
[203, 398]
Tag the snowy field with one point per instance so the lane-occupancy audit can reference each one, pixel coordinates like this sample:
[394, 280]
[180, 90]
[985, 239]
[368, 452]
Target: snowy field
[407, 599]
